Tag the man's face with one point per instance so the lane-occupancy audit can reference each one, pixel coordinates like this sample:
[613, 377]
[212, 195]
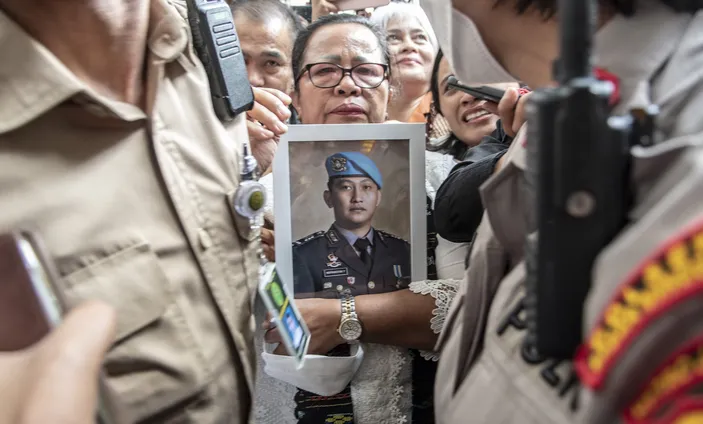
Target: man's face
[267, 49]
[354, 200]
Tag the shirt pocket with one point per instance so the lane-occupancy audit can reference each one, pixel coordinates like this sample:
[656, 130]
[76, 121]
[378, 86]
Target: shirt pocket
[152, 364]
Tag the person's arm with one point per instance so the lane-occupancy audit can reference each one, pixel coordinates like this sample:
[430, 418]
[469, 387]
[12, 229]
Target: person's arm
[458, 207]
[410, 318]
[400, 318]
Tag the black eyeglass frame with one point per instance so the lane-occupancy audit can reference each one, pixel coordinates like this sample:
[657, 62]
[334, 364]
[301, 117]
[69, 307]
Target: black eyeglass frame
[345, 71]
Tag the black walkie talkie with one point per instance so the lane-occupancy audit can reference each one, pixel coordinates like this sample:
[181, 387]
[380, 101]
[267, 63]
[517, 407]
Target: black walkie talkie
[217, 44]
[578, 161]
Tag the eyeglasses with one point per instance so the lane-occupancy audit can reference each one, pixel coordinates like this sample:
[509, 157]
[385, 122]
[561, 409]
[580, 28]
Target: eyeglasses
[328, 75]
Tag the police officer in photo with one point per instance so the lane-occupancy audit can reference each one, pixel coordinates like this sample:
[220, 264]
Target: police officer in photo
[352, 256]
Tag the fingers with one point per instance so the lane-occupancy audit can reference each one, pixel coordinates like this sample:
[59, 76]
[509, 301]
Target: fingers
[506, 110]
[258, 132]
[270, 110]
[283, 97]
[273, 336]
[268, 244]
[67, 364]
[520, 113]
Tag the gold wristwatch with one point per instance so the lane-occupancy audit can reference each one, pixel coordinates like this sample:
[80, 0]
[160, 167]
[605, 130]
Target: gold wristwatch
[350, 326]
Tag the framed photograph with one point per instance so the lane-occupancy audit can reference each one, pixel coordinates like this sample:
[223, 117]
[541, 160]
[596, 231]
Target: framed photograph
[350, 208]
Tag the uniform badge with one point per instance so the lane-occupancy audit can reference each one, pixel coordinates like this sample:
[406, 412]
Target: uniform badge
[668, 277]
[333, 261]
[351, 280]
[339, 164]
[677, 378]
[327, 285]
[372, 285]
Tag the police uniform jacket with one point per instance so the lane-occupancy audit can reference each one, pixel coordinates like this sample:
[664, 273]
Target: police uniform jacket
[134, 208]
[327, 265]
[486, 373]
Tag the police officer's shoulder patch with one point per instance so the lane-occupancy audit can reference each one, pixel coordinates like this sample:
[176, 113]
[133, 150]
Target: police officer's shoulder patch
[383, 234]
[678, 378]
[668, 277]
[308, 239]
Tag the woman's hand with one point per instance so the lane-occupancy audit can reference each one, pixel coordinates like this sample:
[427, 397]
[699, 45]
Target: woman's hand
[322, 317]
[268, 244]
[511, 109]
[266, 122]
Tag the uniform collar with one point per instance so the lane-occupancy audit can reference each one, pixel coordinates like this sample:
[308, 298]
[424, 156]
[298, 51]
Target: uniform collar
[350, 237]
[35, 81]
[634, 49]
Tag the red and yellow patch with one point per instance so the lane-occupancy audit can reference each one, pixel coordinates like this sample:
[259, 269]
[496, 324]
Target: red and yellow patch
[685, 411]
[681, 372]
[673, 273]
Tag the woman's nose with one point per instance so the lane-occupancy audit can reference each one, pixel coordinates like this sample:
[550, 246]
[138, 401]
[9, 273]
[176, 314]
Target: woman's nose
[347, 86]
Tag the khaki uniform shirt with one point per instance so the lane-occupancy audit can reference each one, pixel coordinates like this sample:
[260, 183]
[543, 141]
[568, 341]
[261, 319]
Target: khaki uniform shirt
[486, 373]
[134, 207]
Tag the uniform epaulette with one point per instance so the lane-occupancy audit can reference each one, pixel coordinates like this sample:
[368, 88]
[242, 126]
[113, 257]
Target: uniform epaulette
[389, 235]
[304, 240]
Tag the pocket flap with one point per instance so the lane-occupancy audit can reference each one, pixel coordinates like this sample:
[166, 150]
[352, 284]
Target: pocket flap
[131, 281]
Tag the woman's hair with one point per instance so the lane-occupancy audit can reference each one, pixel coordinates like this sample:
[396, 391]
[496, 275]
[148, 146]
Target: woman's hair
[434, 81]
[384, 14]
[301, 43]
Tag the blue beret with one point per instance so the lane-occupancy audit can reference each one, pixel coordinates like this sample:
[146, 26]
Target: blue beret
[353, 164]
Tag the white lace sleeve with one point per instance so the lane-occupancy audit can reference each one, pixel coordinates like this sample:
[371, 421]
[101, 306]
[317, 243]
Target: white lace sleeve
[443, 292]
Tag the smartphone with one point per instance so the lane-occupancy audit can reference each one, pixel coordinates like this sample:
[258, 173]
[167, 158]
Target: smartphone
[285, 315]
[360, 4]
[483, 92]
[31, 304]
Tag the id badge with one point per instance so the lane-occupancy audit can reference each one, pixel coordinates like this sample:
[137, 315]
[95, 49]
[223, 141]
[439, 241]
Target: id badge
[286, 317]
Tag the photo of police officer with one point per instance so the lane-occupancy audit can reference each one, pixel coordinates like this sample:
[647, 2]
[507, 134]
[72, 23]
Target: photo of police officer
[351, 256]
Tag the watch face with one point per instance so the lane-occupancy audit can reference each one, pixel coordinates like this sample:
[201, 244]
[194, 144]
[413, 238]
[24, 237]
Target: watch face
[350, 329]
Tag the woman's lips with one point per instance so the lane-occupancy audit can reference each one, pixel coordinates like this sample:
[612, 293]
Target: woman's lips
[409, 61]
[348, 109]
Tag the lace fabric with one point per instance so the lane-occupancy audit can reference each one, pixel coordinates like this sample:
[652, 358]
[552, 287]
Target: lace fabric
[443, 291]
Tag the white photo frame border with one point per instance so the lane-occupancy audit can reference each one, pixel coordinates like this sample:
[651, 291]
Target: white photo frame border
[414, 134]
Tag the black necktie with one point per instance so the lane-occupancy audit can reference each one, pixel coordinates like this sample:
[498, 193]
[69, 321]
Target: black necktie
[362, 245]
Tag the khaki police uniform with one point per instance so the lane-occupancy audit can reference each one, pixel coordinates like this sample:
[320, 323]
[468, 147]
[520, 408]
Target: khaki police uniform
[486, 373]
[135, 209]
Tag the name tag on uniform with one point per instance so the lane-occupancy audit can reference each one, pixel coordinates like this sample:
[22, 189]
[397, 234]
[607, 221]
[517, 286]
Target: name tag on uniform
[341, 272]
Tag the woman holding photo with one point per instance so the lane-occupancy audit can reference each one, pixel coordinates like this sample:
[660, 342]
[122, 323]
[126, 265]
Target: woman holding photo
[342, 68]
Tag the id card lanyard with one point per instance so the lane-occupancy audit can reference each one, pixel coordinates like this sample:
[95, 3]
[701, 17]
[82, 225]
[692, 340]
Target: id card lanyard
[249, 201]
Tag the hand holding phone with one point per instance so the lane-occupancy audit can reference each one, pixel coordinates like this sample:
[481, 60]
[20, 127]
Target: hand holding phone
[57, 380]
[61, 369]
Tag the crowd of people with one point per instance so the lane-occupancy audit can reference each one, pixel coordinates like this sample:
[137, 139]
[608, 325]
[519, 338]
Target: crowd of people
[124, 169]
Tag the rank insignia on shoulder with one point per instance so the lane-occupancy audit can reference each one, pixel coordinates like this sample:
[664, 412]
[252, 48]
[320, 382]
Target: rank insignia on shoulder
[311, 237]
[669, 276]
[676, 379]
[383, 234]
[332, 236]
